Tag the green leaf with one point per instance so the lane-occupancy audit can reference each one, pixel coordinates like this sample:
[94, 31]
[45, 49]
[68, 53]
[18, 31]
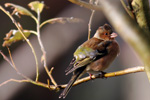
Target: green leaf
[62, 20]
[18, 9]
[13, 36]
[36, 6]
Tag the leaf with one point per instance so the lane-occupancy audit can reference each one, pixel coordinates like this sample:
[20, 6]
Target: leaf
[13, 36]
[36, 5]
[62, 20]
[18, 9]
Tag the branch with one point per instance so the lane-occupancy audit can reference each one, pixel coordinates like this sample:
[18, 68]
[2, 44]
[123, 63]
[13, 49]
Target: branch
[85, 4]
[91, 17]
[43, 58]
[57, 88]
[13, 80]
[112, 74]
[12, 64]
[141, 11]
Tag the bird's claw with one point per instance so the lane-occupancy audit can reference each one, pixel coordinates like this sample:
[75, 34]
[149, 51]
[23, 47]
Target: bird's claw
[101, 75]
[90, 76]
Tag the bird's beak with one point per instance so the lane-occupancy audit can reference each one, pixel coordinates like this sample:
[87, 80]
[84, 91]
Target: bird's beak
[113, 35]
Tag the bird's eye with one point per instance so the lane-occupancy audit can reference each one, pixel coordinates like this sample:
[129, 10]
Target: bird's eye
[106, 33]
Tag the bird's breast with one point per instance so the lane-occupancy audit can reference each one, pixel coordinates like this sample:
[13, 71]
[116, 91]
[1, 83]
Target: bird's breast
[105, 61]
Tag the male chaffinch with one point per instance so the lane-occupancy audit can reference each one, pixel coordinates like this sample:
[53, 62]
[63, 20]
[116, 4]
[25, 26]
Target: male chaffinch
[93, 56]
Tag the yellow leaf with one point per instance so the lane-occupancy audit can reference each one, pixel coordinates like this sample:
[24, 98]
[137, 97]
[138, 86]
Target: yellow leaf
[14, 36]
[36, 6]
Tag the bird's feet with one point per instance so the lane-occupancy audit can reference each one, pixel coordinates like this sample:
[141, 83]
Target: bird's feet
[101, 75]
[90, 76]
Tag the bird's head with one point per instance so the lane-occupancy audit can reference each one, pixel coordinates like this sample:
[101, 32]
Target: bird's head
[105, 33]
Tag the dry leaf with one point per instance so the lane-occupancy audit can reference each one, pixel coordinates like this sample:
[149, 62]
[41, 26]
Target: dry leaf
[62, 20]
[18, 10]
[14, 36]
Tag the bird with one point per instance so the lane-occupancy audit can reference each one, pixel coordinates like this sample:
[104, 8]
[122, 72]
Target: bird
[93, 56]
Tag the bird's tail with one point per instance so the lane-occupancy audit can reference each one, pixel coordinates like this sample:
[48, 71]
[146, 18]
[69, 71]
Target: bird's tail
[69, 86]
[76, 75]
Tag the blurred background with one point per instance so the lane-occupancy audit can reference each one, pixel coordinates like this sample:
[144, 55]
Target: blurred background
[60, 41]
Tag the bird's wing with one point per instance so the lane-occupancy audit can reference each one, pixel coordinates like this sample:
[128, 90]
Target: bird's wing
[82, 57]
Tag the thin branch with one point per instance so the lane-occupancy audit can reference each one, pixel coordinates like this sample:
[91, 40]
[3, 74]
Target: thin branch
[128, 10]
[13, 80]
[40, 41]
[12, 63]
[43, 58]
[112, 74]
[14, 66]
[90, 20]
[51, 77]
[16, 24]
[89, 24]
[33, 32]
[85, 4]
[56, 88]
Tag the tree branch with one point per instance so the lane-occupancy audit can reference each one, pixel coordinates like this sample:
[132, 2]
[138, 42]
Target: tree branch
[85, 79]
[85, 4]
[111, 74]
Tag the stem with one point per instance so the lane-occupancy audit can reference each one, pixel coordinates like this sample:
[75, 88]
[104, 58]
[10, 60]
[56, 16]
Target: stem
[85, 4]
[90, 21]
[35, 19]
[29, 43]
[129, 11]
[43, 58]
[14, 66]
[89, 25]
[34, 32]
[85, 79]
[112, 74]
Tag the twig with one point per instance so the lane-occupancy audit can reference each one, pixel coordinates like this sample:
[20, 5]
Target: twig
[129, 11]
[12, 63]
[85, 4]
[53, 87]
[90, 20]
[14, 66]
[112, 74]
[51, 77]
[40, 41]
[43, 58]
[13, 80]
[16, 24]
[48, 83]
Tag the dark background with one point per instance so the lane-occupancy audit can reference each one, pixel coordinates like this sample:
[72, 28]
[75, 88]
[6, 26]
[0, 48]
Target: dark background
[60, 41]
